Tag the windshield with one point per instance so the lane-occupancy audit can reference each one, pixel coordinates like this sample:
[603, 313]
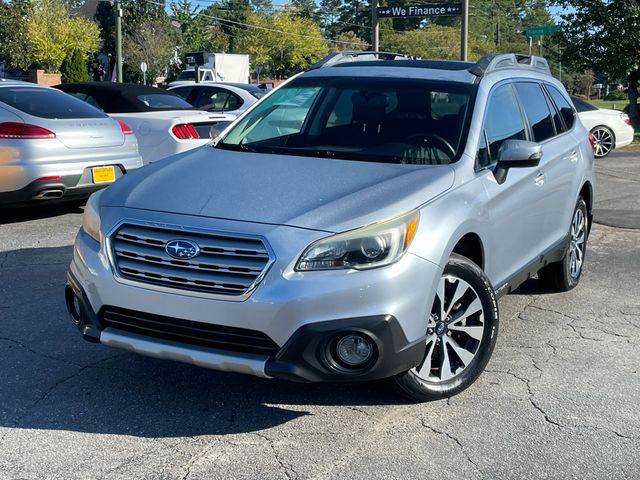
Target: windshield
[186, 75]
[386, 120]
[47, 103]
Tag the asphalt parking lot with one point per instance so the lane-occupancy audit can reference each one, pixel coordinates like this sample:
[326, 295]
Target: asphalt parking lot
[560, 397]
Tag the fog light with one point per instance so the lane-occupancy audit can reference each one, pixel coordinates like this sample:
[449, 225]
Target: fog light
[354, 350]
[74, 305]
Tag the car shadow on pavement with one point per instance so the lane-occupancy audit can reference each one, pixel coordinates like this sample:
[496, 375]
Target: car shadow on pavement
[52, 379]
[37, 212]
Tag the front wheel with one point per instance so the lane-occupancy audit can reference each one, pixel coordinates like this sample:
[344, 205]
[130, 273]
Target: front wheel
[461, 334]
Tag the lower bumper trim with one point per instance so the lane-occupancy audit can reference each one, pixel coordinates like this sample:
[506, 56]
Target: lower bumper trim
[202, 357]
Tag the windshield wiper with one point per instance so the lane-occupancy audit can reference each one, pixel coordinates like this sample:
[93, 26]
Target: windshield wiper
[239, 147]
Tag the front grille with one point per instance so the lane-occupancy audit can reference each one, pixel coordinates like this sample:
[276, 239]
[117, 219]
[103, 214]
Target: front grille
[226, 265]
[188, 332]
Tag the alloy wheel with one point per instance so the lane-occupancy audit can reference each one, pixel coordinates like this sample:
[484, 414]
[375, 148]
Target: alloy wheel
[577, 245]
[604, 141]
[455, 330]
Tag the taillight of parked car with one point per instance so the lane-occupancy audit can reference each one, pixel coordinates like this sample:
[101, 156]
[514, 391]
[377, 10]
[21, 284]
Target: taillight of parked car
[184, 131]
[126, 129]
[592, 141]
[24, 131]
[625, 118]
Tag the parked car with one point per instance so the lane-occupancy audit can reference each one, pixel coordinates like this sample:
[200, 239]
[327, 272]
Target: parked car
[610, 128]
[163, 122]
[53, 146]
[368, 238]
[231, 98]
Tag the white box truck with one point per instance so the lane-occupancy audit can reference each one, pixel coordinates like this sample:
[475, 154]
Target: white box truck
[213, 67]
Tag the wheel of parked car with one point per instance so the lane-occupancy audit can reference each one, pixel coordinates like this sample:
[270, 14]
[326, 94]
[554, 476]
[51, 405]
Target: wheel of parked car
[604, 141]
[564, 275]
[461, 334]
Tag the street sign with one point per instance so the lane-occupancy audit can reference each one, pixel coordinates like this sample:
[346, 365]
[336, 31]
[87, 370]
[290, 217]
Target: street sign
[143, 67]
[543, 30]
[430, 10]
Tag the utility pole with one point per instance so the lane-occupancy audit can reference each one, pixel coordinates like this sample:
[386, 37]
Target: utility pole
[119, 39]
[375, 26]
[464, 30]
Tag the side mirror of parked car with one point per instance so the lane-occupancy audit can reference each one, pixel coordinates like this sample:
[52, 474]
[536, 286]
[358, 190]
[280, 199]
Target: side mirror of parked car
[516, 154]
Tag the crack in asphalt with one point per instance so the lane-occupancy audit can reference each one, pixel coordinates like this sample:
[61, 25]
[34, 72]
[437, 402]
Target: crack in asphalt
[48, 391]
[39, 354]
[286, 468]
[457, 442]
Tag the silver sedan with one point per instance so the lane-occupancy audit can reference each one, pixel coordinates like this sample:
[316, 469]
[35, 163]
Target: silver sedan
[54, 146]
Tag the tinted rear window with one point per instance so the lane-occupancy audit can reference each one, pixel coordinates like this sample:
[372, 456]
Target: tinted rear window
[562, 104]
[537, 110]
[582, 106]
[47, 103]
[161, 101]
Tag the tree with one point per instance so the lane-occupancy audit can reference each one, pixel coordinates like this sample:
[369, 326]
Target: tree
[304, 9]
[350, 41]
[74, 68]
[285, 43]
[14, 46]
[151, 44]
[196, 32]
[329, 13]
[52, 34]
[237, 13]
[435, 41]
[604, 36]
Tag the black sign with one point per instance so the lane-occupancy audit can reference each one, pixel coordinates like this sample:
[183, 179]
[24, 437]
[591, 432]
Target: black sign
[431, 10]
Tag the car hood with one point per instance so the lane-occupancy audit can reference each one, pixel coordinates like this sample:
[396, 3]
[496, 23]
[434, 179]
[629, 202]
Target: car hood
[313, 193]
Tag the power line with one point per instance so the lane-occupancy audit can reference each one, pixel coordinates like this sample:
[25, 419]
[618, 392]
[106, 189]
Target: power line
[271, 29]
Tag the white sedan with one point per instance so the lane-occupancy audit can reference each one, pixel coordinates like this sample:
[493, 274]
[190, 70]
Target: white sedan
[220, 97]
[162, 121]
[610, 128]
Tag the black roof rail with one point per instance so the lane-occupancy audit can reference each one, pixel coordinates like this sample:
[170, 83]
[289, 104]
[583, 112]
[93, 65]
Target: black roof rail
[500, 61]
[357, 55]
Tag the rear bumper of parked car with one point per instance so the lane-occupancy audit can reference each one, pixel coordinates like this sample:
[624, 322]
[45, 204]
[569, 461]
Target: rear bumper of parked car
[31, 173]
[624, 135]
[295, 320]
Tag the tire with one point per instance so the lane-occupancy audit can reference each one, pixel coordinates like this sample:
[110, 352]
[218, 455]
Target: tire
[605, 141]
[564, 275]
[465, 340]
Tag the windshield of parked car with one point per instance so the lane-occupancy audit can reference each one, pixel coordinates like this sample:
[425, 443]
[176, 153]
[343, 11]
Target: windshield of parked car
[186, 75]
[387, 120]
[47, 103]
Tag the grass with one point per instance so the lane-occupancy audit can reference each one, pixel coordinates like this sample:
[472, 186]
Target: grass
[617, 105]
[613, 105]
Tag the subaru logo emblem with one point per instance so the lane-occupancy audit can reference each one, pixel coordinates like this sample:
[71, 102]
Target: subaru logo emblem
[182, 249]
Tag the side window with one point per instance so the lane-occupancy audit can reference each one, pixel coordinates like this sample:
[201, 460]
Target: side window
[211, 99]
[582, 106]
[182, 91]
[233, 102]
[536, 110]
[563, 105]
[503, 121]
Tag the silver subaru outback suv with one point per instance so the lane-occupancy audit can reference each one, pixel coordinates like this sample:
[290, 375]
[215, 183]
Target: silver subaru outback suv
[358, 223]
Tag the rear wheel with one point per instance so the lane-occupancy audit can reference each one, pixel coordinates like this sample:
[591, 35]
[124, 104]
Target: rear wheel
[461, 334]
[564, 275]
[604, 141]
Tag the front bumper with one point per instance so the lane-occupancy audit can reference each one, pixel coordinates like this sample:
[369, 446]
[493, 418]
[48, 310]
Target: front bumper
[300, 313]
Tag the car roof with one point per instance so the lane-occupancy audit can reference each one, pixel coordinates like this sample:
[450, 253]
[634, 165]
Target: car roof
[5, 82]
[118, 97]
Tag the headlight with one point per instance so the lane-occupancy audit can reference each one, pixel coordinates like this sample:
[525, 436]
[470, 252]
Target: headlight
[367, 247]
[91, 217]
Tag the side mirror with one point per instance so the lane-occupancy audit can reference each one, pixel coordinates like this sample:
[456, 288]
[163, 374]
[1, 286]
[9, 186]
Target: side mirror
[516, 154]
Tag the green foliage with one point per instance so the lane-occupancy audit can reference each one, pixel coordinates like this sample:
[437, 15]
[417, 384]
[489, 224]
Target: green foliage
[604, 36]
[616, 95]
[14, 45]
[194, 31]
[52, 34]
[280, 53]
[237, 12]
[435, 41]
[74, 68]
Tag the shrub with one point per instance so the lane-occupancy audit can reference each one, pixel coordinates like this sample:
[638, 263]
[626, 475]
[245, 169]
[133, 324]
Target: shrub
[74, 68]
[616, 95]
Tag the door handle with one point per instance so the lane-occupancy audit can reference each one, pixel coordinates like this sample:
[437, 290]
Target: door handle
[540, 178]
